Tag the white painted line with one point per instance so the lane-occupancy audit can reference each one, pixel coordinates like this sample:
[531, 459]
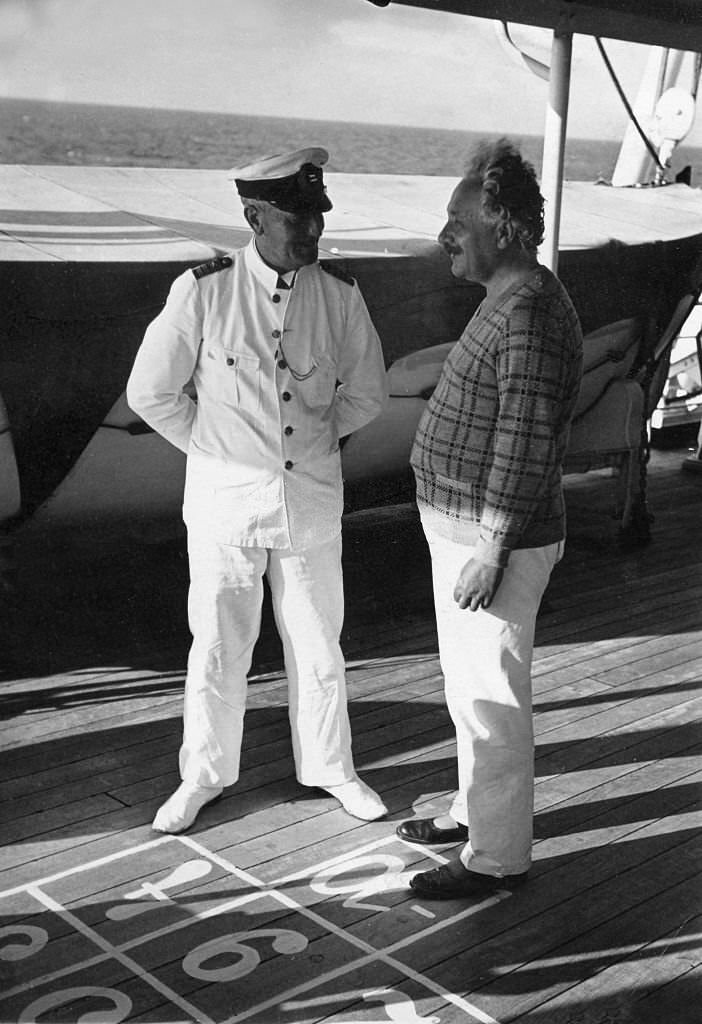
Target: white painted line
[44, 979]
[88, 865]
[359, 851]
[313, 983]
[188, 922]
[450, 997]
[371, 953]
[308, 872]
[397, 1005]
[137, 941]
[190, 871]
[431, 929]
[223, 863]
[132, 965]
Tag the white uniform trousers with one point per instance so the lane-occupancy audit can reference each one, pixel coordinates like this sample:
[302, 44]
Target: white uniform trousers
[224, 606]
[486, 661]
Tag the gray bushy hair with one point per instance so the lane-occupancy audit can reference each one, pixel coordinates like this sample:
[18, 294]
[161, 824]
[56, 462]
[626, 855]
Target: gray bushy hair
[509, 190]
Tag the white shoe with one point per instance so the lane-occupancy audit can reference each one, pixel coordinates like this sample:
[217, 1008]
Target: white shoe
[358, 799]
[180, 810]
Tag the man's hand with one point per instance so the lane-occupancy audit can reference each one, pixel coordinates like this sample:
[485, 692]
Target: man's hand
[477, 585]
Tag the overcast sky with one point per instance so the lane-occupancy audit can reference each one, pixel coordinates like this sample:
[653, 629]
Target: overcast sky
[329, 59]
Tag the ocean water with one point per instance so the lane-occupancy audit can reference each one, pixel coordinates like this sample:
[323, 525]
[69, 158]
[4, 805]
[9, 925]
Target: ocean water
[35, 132]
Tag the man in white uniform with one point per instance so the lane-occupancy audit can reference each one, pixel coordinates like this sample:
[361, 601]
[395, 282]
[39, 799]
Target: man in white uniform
[285, 362]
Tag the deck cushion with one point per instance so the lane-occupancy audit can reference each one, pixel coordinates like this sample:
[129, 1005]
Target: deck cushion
[418, 373]
[608, 354]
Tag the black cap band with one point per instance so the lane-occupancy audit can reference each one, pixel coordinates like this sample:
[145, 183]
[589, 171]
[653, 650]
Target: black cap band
[303, 190]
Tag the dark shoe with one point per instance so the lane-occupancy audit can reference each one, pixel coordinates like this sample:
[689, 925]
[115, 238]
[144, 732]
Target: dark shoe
[424, 831]
[454, 882]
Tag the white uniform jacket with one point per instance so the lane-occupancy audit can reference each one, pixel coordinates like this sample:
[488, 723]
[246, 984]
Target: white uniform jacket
[280, 375]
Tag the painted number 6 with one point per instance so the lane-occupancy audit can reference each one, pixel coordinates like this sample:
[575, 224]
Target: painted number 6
[248, 958]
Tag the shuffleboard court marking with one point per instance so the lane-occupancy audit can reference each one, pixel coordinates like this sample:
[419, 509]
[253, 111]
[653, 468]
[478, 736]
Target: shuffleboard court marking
[422, 910]
[118, 955]
[372, 953]
[332, 878]
[89, 865]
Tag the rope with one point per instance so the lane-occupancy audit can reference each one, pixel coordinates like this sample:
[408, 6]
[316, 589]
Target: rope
[644, 138]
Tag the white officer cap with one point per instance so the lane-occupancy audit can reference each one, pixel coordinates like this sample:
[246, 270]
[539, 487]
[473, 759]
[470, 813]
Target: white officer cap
[291, 181]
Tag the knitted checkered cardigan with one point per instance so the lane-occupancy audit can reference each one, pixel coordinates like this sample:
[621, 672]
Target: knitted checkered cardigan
[489, 448]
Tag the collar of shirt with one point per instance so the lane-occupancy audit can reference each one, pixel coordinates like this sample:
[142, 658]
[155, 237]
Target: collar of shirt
[260, 269]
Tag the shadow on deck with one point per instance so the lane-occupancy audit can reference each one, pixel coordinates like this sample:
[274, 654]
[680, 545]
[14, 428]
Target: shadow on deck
[607, 928]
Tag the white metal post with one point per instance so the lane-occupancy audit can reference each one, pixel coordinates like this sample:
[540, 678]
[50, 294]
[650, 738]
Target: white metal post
[554, 144]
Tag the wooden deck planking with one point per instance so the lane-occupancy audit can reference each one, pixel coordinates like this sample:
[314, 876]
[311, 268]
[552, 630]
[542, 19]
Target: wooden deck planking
[609, 919]
[129, 792]
[560, 983]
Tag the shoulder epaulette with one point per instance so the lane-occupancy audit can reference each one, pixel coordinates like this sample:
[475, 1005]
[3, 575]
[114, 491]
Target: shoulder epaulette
[212, 266]
[335, 271]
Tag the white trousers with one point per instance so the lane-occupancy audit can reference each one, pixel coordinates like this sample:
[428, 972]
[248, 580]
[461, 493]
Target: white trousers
[486, 661]
[224, 606]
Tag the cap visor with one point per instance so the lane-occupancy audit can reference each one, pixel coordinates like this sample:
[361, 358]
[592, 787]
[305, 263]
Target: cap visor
[293, 206]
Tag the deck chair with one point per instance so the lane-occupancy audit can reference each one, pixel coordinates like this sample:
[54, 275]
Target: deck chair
[624, 373]
[606, 428]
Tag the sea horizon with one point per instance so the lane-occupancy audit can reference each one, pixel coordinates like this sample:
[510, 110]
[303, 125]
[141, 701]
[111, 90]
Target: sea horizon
[54, 132]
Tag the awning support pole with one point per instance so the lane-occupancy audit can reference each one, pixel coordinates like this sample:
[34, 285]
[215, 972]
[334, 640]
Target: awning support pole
[554, 144]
